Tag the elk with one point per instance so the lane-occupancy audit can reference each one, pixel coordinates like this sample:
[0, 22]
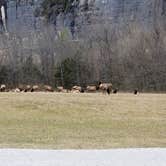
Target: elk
[91, 88]
[48, 88]
[16, 90]
[77, 89]
[27, 88]
[105, 87]
[60, 88]
[115, 91]
[35, 88]
[135, 91]
[2, 87]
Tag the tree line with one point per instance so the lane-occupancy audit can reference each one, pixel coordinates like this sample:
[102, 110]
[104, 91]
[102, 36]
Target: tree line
[129, 56]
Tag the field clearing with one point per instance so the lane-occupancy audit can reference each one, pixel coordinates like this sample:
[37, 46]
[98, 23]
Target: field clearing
[79, 121]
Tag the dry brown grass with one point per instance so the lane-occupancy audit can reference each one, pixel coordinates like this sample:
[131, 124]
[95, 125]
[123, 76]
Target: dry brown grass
[56, 120]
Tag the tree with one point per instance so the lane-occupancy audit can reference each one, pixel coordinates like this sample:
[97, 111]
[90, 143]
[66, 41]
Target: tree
[30, 71]
[4, 74]
[69, 70]
[52, 8]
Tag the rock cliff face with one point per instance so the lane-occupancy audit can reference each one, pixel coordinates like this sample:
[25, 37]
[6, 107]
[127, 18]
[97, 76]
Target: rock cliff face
[23, 18]
[132, 9]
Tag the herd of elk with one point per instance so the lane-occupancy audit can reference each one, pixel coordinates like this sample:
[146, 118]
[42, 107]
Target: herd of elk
[102, 87]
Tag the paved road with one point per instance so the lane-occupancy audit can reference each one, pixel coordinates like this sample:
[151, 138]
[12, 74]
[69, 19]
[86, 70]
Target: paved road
[119, 157]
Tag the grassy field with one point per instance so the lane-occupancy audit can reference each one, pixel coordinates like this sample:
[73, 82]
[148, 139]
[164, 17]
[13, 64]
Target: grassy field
[56, 120]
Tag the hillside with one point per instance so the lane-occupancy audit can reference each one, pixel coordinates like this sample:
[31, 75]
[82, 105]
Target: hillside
[110, 41]
[115, 10]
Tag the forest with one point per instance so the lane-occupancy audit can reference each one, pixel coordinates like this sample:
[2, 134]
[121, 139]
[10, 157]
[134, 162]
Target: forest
[127, 54]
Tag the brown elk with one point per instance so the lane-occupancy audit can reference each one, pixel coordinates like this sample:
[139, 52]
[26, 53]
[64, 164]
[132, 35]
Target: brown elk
[60, 88]
[115, 91]
[75, 91]
[76, 88]
[21, 87]
[105, 87]
[16, 90]
[3, 88]
[91, 88]
[35, 88]
[48, 88]
[27, 88]
[135, 91]
[65, 91]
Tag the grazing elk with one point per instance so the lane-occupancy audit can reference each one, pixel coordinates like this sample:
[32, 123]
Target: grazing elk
[35, 88]
[60, 88]
[91, 88]
[105, 87]
[65, 91]
[16, 90]
[3, 88]
[115, 91]
[135, 91]
[27, 88]
[77, 89]
[48, 88]
[21, 87]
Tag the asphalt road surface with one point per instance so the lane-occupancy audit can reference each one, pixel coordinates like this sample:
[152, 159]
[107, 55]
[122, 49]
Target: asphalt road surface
[117, 157]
